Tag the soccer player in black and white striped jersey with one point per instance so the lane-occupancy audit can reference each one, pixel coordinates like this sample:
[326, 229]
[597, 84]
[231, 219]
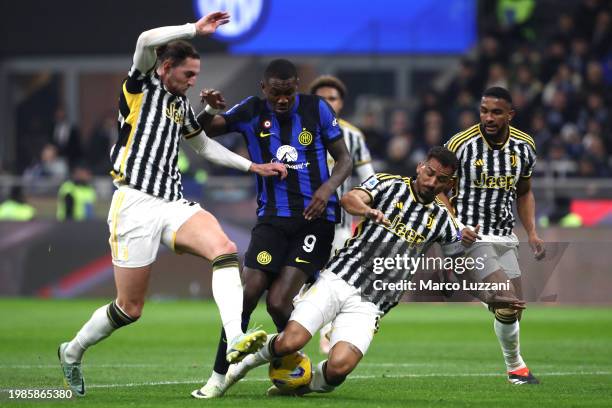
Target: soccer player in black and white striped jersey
[401, 216]
[496, 161]
[333, 90]
[148, 208]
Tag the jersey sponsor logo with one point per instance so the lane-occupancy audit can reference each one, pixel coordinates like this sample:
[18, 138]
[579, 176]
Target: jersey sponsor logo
[263, 134]
[264, 258]
[305, 137]
[175, 114]
[407, 234]
[497, 182]
[288, 155]
[300, 260]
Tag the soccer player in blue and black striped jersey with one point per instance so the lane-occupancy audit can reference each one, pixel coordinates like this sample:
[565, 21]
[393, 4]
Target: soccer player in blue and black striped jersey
[296, 216]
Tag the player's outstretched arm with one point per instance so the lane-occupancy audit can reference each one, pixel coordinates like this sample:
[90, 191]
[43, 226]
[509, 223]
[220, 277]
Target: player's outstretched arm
[218, 154]
[356, 202]
[145, 57]
[525, 207]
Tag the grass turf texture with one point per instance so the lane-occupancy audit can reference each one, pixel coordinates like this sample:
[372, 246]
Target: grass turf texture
[424, 355]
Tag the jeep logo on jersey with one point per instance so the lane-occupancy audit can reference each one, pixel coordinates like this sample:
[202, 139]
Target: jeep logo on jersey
[246, 16]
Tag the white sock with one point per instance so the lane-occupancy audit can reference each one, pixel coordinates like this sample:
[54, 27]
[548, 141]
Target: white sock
[262, 356]
[216, 378]
[227, 291]
[508, 336]
[318, 383]
[98, 327]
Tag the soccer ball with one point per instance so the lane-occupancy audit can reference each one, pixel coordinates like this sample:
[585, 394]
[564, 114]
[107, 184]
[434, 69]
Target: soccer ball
[291, 371]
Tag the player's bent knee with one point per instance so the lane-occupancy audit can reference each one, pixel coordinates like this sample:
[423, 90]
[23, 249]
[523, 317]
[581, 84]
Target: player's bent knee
[125, 314]
[506, 316]
[225, 247]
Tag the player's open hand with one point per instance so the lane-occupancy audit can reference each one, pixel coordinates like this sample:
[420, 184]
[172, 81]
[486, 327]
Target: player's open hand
[210, 22]
[537, 246]
[269, 170]
[377, 216]
[318, 203]
[469, 235]
[213, 98]
[499, 301]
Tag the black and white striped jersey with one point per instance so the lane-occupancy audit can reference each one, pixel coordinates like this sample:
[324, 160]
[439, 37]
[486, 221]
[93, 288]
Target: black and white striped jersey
[151, 123]
[414, 226]
[487, 176]
[360, 155]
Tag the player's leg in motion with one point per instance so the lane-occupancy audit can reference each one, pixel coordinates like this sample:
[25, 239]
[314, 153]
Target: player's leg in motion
[132, 286]
[507, 330]
[327, 375]
[255, 284]
[202, 235]
[283, 289]
[279, 303]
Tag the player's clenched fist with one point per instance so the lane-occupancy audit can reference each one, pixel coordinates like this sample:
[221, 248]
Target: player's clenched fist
[213, 98]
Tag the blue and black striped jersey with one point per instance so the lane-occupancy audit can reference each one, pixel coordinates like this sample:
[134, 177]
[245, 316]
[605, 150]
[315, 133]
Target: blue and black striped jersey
[299, 141]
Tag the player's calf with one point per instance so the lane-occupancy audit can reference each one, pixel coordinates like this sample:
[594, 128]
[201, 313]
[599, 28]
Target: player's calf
[292, 339]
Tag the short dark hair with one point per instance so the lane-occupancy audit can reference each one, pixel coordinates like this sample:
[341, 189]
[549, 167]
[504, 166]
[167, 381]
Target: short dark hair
[280, 69]
[499, 93]
[176, 51]
[444, 156]
[328, 81]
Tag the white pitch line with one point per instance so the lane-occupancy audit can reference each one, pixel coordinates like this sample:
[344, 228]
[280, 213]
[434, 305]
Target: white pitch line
[356, 377]
[361, 377]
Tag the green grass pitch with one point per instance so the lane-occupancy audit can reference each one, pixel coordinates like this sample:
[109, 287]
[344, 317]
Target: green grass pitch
[424, 355]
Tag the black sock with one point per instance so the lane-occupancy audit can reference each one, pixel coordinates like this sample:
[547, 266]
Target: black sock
[221, 364]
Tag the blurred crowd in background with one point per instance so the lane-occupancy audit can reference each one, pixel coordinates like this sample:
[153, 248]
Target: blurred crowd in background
[560, 79]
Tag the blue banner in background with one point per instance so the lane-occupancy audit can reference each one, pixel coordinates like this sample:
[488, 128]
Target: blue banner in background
[346, 26]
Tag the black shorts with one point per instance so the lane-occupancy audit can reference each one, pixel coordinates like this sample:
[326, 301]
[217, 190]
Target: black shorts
[281, 241]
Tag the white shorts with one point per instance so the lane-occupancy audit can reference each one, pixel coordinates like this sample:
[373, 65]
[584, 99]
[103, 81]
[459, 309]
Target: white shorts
[495, 255]
[138, 222]
[331, 299]
[341, 234]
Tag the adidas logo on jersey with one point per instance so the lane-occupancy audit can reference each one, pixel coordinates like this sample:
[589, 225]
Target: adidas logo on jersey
[478, 163]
